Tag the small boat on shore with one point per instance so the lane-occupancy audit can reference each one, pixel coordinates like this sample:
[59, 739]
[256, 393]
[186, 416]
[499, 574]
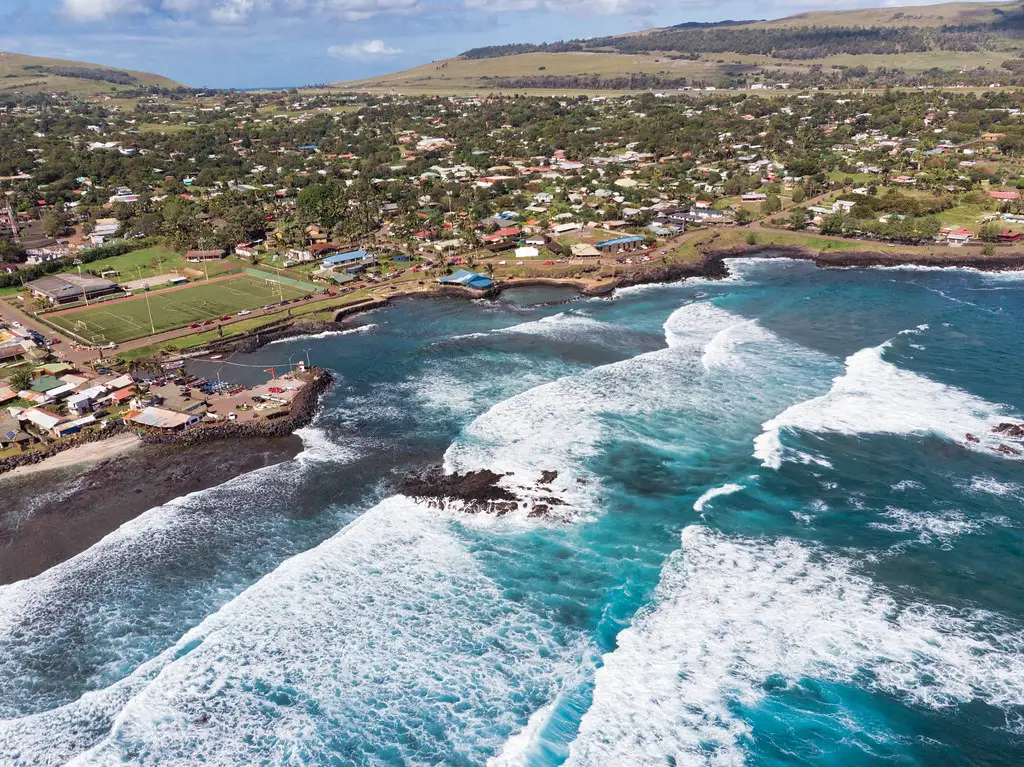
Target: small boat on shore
[216, 357]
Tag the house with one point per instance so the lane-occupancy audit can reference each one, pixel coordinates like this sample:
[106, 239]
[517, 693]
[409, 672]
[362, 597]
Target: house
[73, 427]
[11, 433]
[753, 197]
[197, 256]
[509, 232]
[620, 244]
[566, 228]
[121, 396]
[583, 250]
[339, 259]
[41, 419]
[43, 256]
[468, 279]
[68, 288]
[1008, 235]
[159, 419]
[1004, 196]
[957, 237]
[527, 252]
[85, 401]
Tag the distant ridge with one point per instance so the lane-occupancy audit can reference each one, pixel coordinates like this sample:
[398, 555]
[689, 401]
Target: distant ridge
[22, 73]
[894, 46]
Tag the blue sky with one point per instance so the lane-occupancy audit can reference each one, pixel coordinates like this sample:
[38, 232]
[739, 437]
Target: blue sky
[268, 43]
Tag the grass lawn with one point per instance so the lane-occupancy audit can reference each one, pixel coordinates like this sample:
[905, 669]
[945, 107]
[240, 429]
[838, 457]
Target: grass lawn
[150, 261]
[126, 319]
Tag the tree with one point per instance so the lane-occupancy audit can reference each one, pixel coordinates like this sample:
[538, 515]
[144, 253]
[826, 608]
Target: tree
[832, 225]
[989, 249]
[798, 194]
[744, 216]
[21, 380]
[52, 223]
[990, 232]
[772, 204]
[798, 218]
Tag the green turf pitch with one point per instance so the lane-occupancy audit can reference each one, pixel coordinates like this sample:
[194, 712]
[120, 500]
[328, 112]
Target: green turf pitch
[126, 319]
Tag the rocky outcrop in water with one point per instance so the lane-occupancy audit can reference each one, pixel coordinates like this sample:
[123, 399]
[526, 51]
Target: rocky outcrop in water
[1011, 430]
[478, 492]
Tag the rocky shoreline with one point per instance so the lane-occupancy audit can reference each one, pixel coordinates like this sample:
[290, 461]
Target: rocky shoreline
[51, 516]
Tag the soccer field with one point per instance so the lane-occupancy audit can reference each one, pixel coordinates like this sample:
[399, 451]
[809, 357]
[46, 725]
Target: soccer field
[126, 319]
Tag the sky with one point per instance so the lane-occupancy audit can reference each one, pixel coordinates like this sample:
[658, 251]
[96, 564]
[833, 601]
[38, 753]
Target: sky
[279, 43]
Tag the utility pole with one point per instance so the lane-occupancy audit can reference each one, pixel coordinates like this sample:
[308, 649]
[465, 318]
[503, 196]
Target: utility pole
[85, 295]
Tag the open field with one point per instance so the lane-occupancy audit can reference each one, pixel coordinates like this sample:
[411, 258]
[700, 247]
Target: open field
[149, 262]
[129, 318]
[14, 76]
[474, 76]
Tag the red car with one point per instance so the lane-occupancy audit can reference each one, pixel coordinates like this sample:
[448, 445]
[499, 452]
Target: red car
[208, 322]
[195, 325]
[54, 341]
[225, 318]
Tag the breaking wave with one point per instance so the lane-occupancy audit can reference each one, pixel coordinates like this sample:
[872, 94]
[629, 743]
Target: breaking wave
[735, 619]
[386, 641]
[561, 425]
[874, 396]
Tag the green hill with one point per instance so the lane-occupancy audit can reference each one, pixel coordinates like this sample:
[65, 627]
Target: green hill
[882, 46]
[34, 74]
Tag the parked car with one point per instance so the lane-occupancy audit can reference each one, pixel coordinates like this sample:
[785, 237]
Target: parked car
[208, 322]
[54, 341]
[225, 318]
[195, 325]
[244, 312]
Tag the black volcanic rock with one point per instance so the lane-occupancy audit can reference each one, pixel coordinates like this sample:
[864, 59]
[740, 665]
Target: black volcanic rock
[1011, 430]
[478, 490]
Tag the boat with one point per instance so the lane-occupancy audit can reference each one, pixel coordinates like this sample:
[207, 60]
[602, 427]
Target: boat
[216, 356]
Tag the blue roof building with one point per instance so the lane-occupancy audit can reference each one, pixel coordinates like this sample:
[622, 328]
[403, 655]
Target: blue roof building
[468, 279]
[345, 258]
[620, 244]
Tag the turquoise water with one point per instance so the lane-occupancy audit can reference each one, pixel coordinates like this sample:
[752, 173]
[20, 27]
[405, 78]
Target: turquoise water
[777, 546]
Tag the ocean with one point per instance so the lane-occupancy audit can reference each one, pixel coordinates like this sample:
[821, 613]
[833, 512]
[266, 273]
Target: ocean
[775, 545]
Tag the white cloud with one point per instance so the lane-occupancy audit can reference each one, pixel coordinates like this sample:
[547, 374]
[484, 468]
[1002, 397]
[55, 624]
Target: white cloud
[97, 10]
[363, 49]
[593, 7]
[234, 11]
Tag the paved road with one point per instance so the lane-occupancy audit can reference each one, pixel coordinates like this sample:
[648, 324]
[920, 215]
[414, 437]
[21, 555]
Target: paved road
[76, 356]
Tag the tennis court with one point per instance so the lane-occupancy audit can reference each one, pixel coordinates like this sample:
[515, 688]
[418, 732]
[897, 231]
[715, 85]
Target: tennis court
[129, 318]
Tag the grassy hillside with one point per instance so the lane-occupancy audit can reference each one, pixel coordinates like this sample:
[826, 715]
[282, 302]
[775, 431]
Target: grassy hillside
[34, 74]
[914, 46]
[910, 16]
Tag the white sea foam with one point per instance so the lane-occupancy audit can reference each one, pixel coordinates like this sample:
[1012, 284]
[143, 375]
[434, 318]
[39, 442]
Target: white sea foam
[732, 613]
[722, 349]
[515, 752]
[942, 525]
[715, 492]
[564, 325]
[387, 626]
[320, 448]
[562, 424]
[326, 334]
[993, 486]
[876, 397]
